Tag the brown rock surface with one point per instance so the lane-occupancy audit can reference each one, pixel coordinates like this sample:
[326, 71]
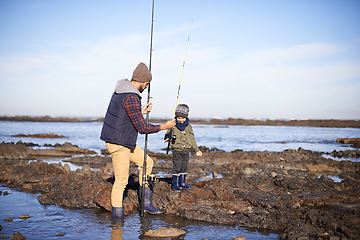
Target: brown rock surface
[21, 151]
[40, 135]
[165, 233]
[354, 142]
[290, 192]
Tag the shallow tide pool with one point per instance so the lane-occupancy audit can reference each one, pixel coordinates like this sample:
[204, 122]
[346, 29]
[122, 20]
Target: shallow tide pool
[55, 222]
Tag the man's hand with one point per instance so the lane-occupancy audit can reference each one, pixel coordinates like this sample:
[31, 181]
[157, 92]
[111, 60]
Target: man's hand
[146, 108]
[168, 125]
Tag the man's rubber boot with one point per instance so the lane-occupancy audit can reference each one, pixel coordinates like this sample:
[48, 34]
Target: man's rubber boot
[175, 183]
[117, 216]
[182, 181]
[148, 207]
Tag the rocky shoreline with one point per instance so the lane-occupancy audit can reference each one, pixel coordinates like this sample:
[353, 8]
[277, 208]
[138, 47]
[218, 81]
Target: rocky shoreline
[230, 121]
[290, 192]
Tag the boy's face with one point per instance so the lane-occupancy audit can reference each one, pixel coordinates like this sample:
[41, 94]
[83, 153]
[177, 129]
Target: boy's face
[181, 119]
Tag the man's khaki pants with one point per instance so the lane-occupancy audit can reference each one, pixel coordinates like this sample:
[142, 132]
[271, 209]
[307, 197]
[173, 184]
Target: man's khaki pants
[121, 157]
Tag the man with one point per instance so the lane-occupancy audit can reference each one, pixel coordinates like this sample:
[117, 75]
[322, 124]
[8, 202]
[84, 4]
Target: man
[123, 121]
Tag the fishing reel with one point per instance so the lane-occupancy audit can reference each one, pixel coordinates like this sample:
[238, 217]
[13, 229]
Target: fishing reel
[151, 180]
[173, 139]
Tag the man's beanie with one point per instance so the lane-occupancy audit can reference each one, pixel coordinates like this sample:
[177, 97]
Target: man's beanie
[141, 73]
[182, 110]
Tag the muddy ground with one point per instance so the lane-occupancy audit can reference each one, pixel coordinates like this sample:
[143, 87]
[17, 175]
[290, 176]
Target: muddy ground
[291, 192]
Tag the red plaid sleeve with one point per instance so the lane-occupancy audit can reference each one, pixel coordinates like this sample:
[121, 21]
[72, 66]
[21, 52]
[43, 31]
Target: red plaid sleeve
[132, 105]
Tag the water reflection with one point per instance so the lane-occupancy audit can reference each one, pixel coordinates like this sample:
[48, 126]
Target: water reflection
[117, 233]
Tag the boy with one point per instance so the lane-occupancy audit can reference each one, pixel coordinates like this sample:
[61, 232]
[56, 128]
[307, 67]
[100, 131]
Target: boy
[182, 139]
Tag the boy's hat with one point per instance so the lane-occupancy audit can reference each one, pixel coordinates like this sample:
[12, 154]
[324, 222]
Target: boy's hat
[182, 110]
[141, 73]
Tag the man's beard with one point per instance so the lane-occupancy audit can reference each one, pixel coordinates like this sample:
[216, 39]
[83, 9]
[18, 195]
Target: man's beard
[141, 89]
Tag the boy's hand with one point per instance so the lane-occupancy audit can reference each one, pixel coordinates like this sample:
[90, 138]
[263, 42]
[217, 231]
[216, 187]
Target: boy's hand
[199, 154]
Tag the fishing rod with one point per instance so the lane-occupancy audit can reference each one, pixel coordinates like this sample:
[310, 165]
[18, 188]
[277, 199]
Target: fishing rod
[142, 210]
[170, 136]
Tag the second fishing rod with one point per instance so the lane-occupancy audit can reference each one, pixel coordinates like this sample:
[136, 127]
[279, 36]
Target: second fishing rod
[170, 136]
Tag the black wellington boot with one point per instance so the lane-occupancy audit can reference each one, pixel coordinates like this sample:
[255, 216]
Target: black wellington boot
[183, 181]
[175, 183]
[148, 207]
[117, 216]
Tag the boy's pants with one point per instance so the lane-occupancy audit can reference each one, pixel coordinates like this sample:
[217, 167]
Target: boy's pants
[180, 161]
[121, 157]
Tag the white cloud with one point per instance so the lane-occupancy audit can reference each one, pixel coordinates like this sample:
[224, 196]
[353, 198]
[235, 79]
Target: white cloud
[274, 83]
[294, 53]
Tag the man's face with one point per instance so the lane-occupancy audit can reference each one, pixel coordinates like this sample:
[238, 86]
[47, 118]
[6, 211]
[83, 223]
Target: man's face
[143, 86]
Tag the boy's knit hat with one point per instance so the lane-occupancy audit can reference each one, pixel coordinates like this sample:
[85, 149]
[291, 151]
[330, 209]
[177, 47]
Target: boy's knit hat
[141, 73]
[182, 110]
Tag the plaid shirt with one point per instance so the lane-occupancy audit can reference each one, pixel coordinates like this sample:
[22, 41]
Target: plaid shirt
[132, 105]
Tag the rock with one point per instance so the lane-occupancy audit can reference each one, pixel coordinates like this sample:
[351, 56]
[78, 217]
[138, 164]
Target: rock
[70, 148]
[25, 216]
[346, 154]
[17, 236]
[27, 186]
[104, 152]
[320, 168]
[238, 238]
[91, 160]
[51, 153]
[248, 171]
[86, 168]
[215, 174]
[109, 169]
[355, 142]
[66, 167]
[40, 135]
[20, 151]
[278, 191]
[103, 198]
[8, 219]
[165, 233]
[15, 151]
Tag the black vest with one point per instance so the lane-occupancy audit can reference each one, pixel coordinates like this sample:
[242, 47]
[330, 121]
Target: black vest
[117, 127]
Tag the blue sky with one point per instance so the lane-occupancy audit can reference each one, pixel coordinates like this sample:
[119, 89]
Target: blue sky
[245, 59]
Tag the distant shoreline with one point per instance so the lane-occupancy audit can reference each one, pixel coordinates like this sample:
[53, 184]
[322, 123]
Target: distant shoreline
[230, 121]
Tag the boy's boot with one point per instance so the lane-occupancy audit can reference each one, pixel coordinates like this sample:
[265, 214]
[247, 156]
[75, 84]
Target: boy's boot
[182, 181]
[148, 207]
[117, 216]
[175, 183]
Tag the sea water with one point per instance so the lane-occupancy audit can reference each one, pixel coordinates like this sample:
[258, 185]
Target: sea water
[48, 221]
[224, 137]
